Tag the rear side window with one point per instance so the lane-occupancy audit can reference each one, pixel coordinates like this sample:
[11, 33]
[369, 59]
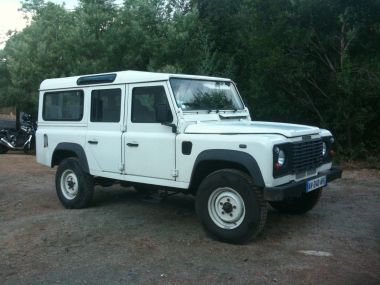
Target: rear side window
[63, 106]
[105, 105]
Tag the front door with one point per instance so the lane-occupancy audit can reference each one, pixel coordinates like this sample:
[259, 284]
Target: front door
[149, 145]
[105, 126]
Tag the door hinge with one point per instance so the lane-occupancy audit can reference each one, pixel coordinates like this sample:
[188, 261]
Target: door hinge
[122, 167]
[175, 172]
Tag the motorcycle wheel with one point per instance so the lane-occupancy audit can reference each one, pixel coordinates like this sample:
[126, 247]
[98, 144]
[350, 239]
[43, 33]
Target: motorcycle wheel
[31, 149]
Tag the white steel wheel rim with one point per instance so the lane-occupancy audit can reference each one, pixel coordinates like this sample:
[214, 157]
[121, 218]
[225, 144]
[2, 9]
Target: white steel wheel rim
[226, 208]
[69, 184]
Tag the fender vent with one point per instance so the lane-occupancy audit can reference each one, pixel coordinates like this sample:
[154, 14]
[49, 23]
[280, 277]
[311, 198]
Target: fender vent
[186, 148]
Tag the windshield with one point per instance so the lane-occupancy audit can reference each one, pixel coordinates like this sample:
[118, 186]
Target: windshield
[192, 94]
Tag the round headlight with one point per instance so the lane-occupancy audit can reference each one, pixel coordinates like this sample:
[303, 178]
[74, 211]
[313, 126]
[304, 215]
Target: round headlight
[281, 157]
[324, 149]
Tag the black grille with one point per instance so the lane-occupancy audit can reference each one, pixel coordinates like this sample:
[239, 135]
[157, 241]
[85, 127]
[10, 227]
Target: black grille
[306, 155]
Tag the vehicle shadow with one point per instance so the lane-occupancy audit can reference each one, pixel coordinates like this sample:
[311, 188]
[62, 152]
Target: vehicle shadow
[278, 226]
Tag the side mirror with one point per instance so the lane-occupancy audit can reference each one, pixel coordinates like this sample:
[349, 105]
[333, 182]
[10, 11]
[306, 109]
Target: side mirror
[164, 116]
[163, 113]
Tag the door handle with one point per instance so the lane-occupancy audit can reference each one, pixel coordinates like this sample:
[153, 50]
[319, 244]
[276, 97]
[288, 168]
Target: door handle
[133, 144]
[93, 142]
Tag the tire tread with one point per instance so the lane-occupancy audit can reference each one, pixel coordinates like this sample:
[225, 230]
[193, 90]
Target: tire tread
[239, 238]
[85, 180]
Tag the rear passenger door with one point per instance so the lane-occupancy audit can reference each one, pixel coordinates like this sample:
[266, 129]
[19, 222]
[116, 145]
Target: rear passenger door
[105, 126]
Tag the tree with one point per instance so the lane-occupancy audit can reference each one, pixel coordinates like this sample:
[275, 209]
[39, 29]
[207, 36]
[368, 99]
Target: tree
[314, 62]
[36, 53]
[304, 61]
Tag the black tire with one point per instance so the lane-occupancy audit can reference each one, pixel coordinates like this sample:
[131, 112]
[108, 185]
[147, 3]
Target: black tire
[75, 188]
[219, 195]
[3, 149]
[30, 151]
[298, 206]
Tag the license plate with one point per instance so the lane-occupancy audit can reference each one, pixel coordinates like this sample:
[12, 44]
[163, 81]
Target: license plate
[316, 183]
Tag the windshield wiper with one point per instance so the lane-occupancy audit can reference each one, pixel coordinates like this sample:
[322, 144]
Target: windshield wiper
[219, 110]
[232, 116]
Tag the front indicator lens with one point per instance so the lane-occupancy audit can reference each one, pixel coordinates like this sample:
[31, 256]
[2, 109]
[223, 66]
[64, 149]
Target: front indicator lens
[280, 154]
[324, 149]
[281, 158]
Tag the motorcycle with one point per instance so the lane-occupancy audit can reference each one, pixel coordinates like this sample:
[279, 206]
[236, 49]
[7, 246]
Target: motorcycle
[22, 139]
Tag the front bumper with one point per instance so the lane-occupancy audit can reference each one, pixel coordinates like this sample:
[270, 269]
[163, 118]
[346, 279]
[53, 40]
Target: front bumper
[296, 189]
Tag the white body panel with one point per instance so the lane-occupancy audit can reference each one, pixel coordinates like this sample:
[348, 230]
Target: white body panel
[258, 146]
[106, 154]
[123, 77]
[251, 127]
[155, 156]
[71, 132]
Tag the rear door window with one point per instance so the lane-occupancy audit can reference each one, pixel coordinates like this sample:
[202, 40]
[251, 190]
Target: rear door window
[106, 105]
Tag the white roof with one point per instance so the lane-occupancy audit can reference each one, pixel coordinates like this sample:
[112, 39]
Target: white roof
[122, 77]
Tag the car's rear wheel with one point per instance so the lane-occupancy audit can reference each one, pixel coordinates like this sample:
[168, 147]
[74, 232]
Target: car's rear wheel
[299, 205]
[74, 187]
[230, 207]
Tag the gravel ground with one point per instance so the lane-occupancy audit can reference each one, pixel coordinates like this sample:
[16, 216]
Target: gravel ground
[123, 240]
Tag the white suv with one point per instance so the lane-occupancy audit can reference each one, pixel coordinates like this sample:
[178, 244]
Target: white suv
[180, 133]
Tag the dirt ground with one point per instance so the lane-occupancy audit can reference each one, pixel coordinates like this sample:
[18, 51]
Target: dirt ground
[123, 240]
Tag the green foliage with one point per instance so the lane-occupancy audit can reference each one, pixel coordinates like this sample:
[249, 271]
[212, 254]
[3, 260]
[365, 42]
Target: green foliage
[303, 61]
[211, 101]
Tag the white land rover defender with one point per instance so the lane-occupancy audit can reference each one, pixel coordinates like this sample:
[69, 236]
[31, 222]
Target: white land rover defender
[180, 133]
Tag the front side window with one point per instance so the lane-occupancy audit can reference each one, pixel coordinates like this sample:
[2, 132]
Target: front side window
[106, 105]
[144, 102]
[63, 106]
[192, 94]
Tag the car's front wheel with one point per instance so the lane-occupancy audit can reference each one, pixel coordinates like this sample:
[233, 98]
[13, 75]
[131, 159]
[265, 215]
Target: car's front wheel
[74, 187]
[230, 207]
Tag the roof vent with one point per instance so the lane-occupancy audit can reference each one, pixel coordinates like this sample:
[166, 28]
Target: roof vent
[96, 79]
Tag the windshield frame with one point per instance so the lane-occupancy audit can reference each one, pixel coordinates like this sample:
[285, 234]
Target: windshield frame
[243, 107]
